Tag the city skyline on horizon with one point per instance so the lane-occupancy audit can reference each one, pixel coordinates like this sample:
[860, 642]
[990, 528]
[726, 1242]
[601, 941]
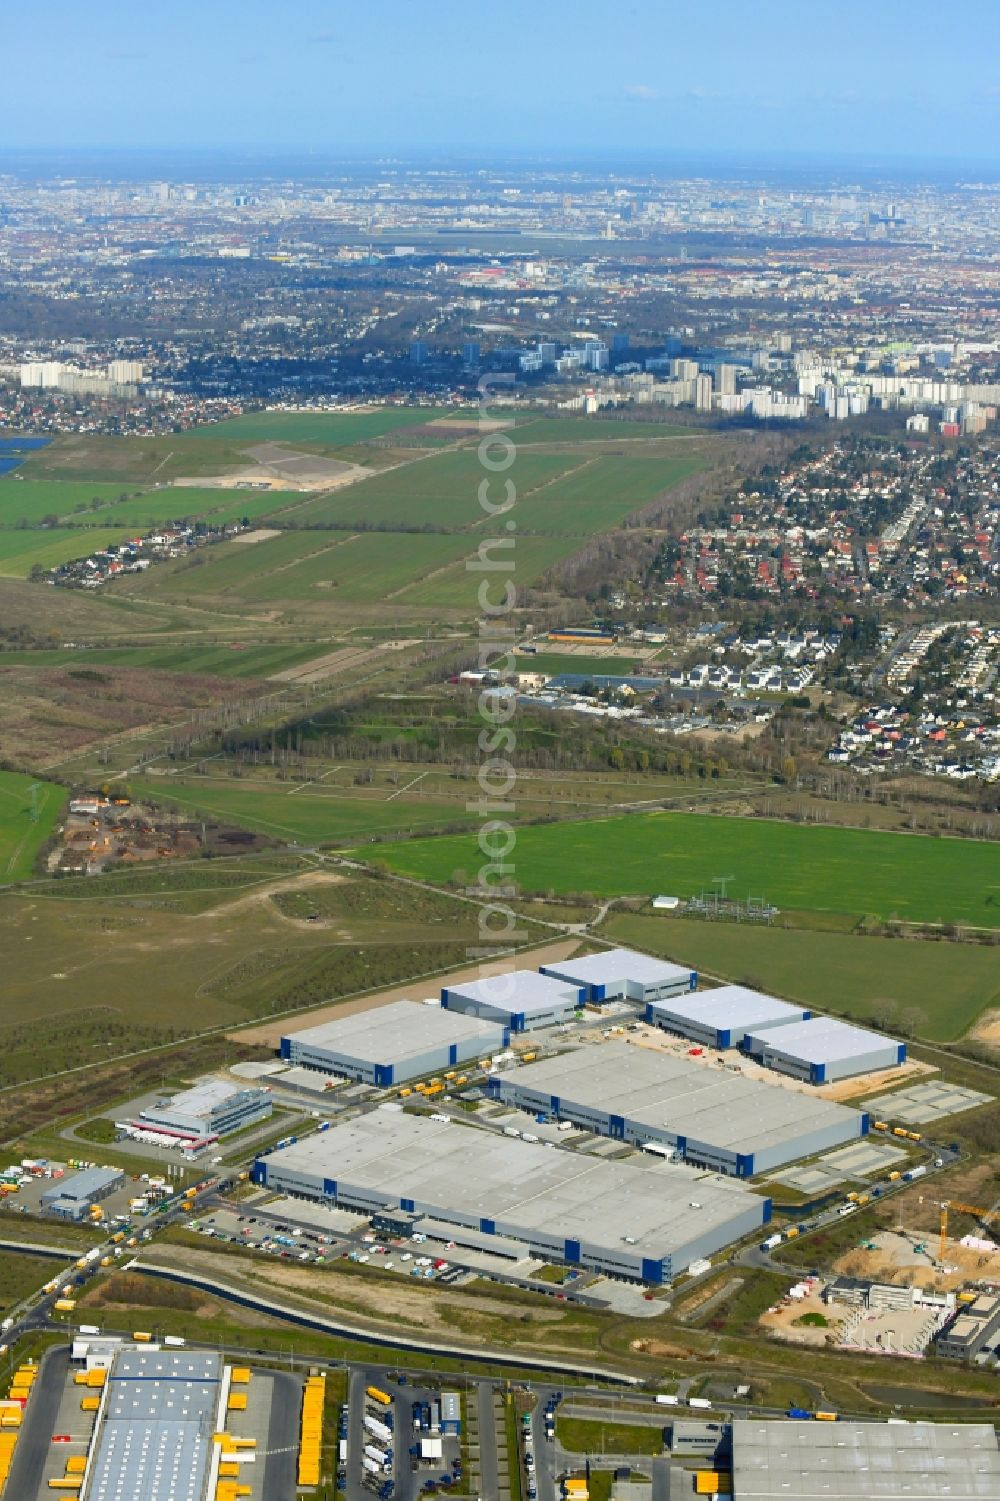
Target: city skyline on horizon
[776, 84]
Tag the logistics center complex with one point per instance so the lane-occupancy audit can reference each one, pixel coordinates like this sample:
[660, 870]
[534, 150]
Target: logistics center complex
[700, 1121]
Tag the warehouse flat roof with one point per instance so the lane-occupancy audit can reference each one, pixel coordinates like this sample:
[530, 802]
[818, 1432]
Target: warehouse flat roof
[82, 1185]
[704, 1104]
[619, 964]
[484, 1175]
[519, 990]
[392, 1034]
[727, 1007]
[823, 1039]
[156, 1431]
[865, 1461]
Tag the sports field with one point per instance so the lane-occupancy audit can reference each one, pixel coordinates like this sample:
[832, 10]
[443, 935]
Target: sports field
[21, 834]
[853, 871]
[860, 978]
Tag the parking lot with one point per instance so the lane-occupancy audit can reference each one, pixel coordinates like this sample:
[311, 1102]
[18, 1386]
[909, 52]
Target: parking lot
[922, 1104]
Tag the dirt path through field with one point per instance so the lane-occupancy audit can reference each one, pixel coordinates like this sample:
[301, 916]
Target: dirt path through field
[260, 894]
[269, 1034]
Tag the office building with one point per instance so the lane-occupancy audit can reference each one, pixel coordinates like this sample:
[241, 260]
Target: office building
[208, 1110]
[705, 1114]
[976, 1327]
[391, 1044]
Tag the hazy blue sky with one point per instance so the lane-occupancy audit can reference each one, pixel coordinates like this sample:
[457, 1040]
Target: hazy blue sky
[893, 78]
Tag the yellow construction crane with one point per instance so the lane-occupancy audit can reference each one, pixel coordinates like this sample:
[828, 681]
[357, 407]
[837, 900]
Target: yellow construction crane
[986, 1215]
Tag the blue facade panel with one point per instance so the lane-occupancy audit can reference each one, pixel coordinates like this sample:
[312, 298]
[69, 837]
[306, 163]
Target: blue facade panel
[571, 1251]
[383, 1075]
[285, 1050]
[817, 1073]
[866, 1123]
[488, 1227]
[652, 1270]
[517, 1021]
[506, 1037]
[901, 1053]
[744, 1164]
[453, 1053]
[600, 992]
[650, 1015]
[444, 998]
[616, 1126]
[407, 1206]
[554, 1103]
[258, 1173]
[330, 1188]
[724, 1039]
[768, 1211]
[693, 982]
[681, 1143]
[493, 1088]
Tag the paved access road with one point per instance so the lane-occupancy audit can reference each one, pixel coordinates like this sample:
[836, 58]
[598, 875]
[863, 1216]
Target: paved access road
[40, 1416]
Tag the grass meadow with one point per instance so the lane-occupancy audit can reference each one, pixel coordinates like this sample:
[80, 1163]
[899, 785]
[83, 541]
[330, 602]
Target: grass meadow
[915, 878]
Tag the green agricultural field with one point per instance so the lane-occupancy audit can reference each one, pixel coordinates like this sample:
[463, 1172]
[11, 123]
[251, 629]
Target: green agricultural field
[232, 660]
[20, 551]
[23, 500]
[21, 835]
[311, 815]
[197, 503]
[913, 877]
[329, 429]
[457, 588]
[594, 430]
[599, 494]
[335, 567]
[860, 978]
[439, 492]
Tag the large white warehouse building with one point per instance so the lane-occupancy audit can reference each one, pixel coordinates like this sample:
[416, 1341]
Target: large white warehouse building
[390, 1044]
[706, 1114]
[521, 999]
[722, 1018]
[623, 974]
[641, 1222]
[822, 1050]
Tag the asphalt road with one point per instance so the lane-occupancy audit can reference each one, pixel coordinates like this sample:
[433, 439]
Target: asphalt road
[488, 1489]
[280, 1473]
[40, 1415]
